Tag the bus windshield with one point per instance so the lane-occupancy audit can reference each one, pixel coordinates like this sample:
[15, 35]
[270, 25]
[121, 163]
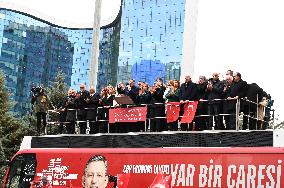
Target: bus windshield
[22, 171]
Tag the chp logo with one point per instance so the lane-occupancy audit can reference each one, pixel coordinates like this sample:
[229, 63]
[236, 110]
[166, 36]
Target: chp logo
[56, 174]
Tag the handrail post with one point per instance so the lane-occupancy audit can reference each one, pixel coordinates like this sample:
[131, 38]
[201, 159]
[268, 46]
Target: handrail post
[273, 125]
[237, 114]
[88, 127]
[213, 122]
[257, 103]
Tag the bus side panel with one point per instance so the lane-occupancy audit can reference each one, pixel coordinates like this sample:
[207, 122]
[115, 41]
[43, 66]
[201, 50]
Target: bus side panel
[5, 178]
[168, 169]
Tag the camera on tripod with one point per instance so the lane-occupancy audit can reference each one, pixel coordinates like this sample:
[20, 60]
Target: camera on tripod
[36, 90]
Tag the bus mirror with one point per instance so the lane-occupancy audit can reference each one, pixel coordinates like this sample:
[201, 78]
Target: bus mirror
[4, 163]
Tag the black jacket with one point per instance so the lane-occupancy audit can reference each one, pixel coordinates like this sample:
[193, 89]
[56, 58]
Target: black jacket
[201, 91]
[133, 93]
[157, 96]
[144, 98]
[188, 91]
[254, 93]
[216, 92]
[92, 105]
[238, 89]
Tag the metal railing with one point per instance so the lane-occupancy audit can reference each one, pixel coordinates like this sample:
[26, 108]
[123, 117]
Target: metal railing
[239, 113]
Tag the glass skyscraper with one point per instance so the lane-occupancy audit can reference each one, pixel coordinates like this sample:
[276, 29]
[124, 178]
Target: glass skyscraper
[151, 36]
[33, 51]
[144, 42]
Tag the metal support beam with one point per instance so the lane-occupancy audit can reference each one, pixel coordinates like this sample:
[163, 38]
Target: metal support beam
[95, 44]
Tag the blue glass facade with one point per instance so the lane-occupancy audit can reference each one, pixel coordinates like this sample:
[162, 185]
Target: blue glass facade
[148, 70]
[32, 51]
[108, 54]
[82, 45]
[151, 32]
[145, 41]
[32, 56]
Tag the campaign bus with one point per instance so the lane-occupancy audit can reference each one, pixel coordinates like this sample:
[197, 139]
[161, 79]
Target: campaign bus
[244, 167]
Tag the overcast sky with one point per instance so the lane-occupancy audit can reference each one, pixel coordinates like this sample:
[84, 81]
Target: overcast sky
[242, 35]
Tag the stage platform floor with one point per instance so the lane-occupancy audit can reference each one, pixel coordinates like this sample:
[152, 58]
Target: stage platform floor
[157, 139]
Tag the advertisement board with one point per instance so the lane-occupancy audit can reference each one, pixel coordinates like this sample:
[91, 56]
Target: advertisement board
[163, 167]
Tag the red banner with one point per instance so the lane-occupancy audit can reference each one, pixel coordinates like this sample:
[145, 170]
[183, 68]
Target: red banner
[189, 112]
[127, 114]
[172, 111]
[163, 167]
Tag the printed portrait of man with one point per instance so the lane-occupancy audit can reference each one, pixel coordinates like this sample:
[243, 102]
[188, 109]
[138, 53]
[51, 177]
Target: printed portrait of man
[95, 174]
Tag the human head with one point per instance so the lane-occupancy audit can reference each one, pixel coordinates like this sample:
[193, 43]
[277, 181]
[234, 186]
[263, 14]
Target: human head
[95, 174]
[140, 84]
[229, 73]
[92, 90]
[176, 83]
[120, 85]
[131, 82]
[145, 86]
[70, 92]
[82, 87]
[187, 78]
[202, 79]
[104, 91]
[237, 76]
[111, 89]
[170, 83]
[215, 76]
[159, 81]
[73, 93]
[229, 79]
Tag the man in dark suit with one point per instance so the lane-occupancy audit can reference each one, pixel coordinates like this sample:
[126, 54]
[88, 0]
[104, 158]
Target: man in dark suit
[214, 92]
[157, 108]
[188, 92]
[81, 99]
[201, 121]
[91, 110]
[237, 91]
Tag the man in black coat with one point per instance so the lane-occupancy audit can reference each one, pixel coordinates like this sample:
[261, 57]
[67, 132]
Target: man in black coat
[81, 101]
[237, 91]
[63, 111]
[201, 121]
[157, 108]
[91, 110]
[226, 93]
[214, 91]
[188, 92]
[132, 91]
[254, 95]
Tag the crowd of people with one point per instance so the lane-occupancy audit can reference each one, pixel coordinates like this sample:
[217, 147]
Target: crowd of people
[220, 102]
